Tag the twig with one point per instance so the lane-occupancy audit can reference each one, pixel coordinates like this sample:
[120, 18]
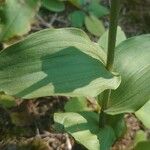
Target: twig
[68, 142]
[53, 19]
[43, 22]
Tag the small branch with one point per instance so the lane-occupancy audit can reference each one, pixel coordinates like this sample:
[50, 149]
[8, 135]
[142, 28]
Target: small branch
[53, 19]
[68, 142]
[43, 22]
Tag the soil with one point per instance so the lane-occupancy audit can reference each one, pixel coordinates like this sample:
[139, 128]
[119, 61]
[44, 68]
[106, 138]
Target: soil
[33, 128]
[134, 16]
[30, 125]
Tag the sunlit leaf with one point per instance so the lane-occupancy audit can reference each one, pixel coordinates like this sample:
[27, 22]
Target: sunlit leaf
[94, 25]
[84, 128]
[77, 104]
[132, 61]
[103, 41]
[55, 62]
[143, 114]
[140, 137]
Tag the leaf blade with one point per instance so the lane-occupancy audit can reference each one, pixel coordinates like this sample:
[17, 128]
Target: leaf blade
[14, 23]
[84, 128]
[94, 25]
[132, 62]
[53, 5]
[143, 113]
[103, 41]
[40, 66]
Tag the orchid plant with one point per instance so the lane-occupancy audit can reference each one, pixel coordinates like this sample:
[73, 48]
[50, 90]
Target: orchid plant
[114, 72]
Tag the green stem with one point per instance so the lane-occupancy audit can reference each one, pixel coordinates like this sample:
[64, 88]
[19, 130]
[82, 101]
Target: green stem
[114, 13]
[115, 8]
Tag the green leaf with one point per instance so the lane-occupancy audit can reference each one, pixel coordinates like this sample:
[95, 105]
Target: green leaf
[94, 25]
[77, 3]
[140, 141]
[77, 18]
[103, 41]
[55, 62]
[139, 137]
[84, 128]
[16, 17]
[145, 145]
[77, 104]
[107, 138]
[53, 5]
[97, 9]
[143, 114]
[118, 124]
[132, 62]
[7, 101]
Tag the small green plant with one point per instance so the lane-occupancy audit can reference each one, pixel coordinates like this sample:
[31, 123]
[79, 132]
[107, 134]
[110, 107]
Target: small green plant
[16, 17]
[54, 5]
[14, 24]
[86, 12]
[66, 62]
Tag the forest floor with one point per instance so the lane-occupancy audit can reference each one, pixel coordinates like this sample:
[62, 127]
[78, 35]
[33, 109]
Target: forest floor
[29, 125]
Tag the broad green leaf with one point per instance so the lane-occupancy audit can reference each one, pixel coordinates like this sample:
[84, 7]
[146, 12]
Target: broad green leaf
[77, 18]
[103, 41]
[143, 114]
[132, 61]
[94, 25]
[53, 5]
[97, 9]
[77, 104]
[55, 62]
[16, 17]
[107, 138]
[84, 128]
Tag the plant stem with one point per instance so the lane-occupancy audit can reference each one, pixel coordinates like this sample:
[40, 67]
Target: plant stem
[115, 8]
